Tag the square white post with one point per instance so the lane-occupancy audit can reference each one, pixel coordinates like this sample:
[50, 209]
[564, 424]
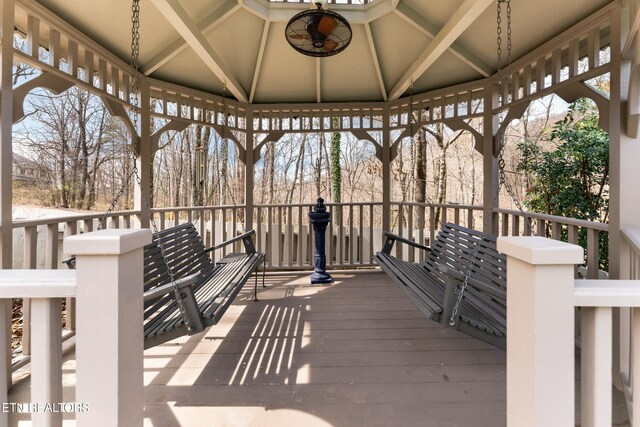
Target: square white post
[540, 330]
[109, 343]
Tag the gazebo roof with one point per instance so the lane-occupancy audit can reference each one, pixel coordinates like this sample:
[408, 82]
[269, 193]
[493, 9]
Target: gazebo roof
[203, 45]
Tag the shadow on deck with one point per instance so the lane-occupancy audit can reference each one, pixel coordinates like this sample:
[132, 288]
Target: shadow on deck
[354, 353]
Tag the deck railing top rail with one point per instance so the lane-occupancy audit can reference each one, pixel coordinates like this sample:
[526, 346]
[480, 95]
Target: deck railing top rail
[600, 226]
[70, 218]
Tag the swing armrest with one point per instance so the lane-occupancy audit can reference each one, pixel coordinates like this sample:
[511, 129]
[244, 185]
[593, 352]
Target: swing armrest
[390, 238]
[475, 283]
[167, 288]
[246, 239]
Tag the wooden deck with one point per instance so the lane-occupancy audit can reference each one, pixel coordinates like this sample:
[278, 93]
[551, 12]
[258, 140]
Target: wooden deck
[354, 353]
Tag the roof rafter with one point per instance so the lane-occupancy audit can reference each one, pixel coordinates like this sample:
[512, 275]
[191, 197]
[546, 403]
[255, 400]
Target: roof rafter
[427, 28]
[178, 17]
[376, 63]
[462, 18]
[256, 72]
[207, 24]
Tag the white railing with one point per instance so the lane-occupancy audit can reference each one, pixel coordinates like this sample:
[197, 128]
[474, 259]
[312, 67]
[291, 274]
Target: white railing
[520, 223]
[541, 360]
[109, 380]
[629, 341]
[38, 245]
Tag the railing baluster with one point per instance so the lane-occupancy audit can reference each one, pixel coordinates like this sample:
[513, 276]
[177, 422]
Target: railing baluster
[352, 239]
[269, 239]
[46, 359]
[505, 224]
[30, 262]
[51, 260]
[224, 231]
[202, 224]
[259, 243]
[556, 231]
[596, 359]
[432, 225]
[371, 223]
[412, 250]
[400, 230]
[329, 241]
[361, 235]
[290, 250]
[339, 233]
[71, 229]
[515, 226]
[280, 238]
[421, 213]
[301, 238]
[593, 253]
[527, 226]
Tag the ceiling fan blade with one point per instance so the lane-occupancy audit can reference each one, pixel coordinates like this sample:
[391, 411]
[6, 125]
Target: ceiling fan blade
[327, 24]
[300, 36]
[330, 45]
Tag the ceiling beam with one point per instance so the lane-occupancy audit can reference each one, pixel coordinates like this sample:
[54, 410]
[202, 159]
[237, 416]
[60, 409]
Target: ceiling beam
[430, 30]
[462, 18]
[178, 17]
[214, 19]
[258, 67]
[376, 63]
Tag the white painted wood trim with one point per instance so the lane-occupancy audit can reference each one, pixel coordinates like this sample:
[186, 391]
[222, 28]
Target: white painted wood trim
[596, 364]
[37, 283]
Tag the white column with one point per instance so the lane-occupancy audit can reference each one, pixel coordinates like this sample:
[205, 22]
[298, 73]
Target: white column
[540, 325]
[386, 171]
[109, 343]
[489, 162]
[142, 193]
[6, 155]
[249, 174]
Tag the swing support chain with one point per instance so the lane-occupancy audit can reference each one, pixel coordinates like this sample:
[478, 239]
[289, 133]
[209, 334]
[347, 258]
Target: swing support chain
[454, 313]
[135, 52]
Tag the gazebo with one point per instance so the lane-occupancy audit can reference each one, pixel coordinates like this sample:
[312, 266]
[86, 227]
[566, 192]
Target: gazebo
[227, 65]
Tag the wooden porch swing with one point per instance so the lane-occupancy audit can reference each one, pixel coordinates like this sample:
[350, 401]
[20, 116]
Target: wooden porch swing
[462, 281]
[184, 290]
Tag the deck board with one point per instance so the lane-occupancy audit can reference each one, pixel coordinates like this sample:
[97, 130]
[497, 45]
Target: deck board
[354, 353]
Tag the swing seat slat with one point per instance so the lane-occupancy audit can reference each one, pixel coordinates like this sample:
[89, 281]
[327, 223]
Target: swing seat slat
[457, 252]
[208, 288]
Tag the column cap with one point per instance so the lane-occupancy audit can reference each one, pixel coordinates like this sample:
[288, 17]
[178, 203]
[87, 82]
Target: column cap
[107, 242]
[538, 250]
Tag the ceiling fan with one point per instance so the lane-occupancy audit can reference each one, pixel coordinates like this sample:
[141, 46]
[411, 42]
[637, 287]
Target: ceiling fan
[318, 32]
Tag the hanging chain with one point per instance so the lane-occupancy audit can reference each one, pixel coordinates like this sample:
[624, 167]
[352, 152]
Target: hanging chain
[135, 55]
[410, 118]
[505, 97]
[463, 287]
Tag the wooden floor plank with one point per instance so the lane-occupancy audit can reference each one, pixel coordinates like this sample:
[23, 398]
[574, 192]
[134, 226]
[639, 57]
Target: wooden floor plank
[353, 353]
